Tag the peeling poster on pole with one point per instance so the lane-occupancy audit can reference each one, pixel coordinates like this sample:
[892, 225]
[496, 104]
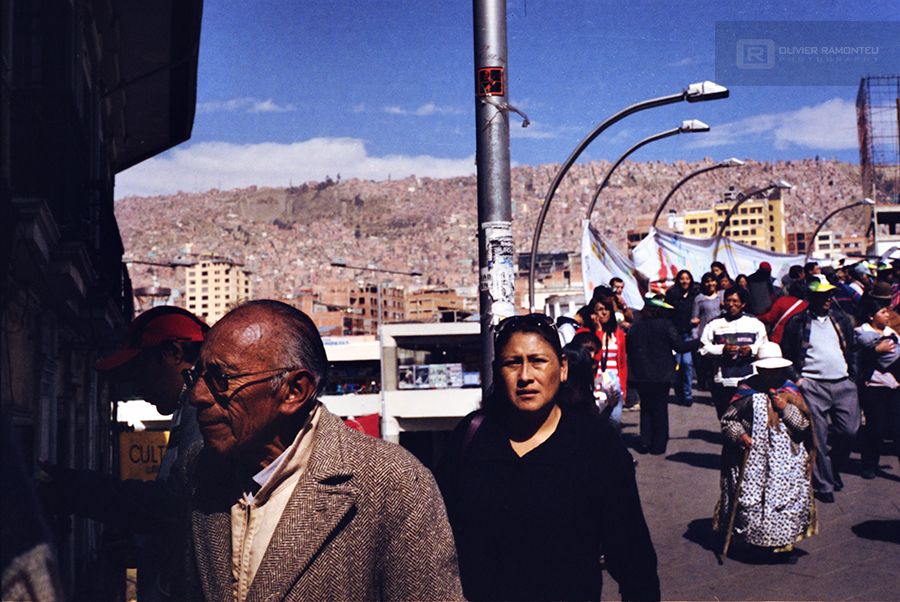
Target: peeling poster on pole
[499, 277]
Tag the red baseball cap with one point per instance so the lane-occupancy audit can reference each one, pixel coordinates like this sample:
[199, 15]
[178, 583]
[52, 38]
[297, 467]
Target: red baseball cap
[154, 327]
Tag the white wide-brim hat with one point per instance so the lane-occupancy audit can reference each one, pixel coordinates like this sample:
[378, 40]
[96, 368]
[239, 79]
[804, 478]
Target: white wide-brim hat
[769, 356]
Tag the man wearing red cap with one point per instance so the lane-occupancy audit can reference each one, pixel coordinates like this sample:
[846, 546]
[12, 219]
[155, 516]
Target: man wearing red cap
[159, 345]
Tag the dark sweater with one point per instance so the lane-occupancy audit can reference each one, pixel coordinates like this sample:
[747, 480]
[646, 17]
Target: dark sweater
[531, 528]
[650, 343]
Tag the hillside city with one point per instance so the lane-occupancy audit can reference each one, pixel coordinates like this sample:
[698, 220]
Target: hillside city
[288, 237]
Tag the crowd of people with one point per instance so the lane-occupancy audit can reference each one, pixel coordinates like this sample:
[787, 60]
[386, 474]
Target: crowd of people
[267, 495]
[792, 367]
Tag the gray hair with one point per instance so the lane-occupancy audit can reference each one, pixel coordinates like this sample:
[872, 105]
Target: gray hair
[301, 345]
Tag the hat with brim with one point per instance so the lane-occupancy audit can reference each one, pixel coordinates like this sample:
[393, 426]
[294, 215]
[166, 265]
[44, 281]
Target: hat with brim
[882, 290]
[656, 301]
[820, 285]
[152, 328]
[769, 357]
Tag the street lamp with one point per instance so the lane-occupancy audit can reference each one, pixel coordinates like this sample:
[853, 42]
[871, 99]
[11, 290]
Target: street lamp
[726, 163]
[698, 92]
[812, 241]
[338, 263]
[742, 197]
[686, 127]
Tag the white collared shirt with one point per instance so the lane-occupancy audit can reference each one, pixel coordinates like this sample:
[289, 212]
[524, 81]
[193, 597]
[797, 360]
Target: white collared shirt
[254, 517]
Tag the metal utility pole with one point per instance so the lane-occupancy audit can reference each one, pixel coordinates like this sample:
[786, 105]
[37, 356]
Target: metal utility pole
[496, 260]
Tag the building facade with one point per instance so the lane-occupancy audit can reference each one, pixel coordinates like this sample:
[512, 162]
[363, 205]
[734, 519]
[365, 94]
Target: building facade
[214, 285]
[87, 90]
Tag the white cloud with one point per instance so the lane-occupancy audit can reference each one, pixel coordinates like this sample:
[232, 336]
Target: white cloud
[688, 61]
[244, 105]
[830, 125]
[423, 111]
[222, 165]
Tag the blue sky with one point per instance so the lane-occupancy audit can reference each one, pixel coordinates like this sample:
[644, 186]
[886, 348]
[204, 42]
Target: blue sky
[290, 91]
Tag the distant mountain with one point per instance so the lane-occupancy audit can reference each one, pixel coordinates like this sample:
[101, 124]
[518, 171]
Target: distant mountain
[289, 236]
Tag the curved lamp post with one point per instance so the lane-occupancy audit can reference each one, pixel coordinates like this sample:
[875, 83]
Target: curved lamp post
[866, 202]
[726, 163]
[694, 93]
[343, 264]
[686, 127]
[743, 197]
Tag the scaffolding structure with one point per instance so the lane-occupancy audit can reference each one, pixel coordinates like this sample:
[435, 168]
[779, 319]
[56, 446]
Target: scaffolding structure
[878, 123]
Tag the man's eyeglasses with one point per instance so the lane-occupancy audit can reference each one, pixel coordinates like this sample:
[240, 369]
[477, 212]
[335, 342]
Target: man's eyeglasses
[218, 381]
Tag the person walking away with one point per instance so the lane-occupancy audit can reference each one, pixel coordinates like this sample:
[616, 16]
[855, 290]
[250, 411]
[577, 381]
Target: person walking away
[731, 342]
[783, 309]
[762, 291]
[767, 423]
[651, 342]
[821, 345]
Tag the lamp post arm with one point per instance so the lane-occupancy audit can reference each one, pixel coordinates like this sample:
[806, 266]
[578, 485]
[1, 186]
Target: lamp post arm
[812, 240]
[733, 210]
[605, 181]
[679, 185]
[563, 170]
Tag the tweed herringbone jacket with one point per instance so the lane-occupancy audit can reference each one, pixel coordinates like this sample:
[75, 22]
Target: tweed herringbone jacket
[366, 521]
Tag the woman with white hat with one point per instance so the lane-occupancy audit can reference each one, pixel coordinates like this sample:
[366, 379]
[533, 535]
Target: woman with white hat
[767, 429]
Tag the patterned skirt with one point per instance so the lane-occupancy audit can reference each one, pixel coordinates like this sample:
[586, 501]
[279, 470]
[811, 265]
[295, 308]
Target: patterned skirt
[775, 504]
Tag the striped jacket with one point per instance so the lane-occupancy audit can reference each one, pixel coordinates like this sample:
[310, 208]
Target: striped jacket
[365, 522]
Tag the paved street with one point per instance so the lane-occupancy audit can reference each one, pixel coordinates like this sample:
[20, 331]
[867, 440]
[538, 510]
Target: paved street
[855, 556]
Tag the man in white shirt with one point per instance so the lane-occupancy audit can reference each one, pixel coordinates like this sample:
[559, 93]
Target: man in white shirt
[732, 341]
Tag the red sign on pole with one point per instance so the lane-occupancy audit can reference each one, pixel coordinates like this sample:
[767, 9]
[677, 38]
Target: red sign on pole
[490, 82]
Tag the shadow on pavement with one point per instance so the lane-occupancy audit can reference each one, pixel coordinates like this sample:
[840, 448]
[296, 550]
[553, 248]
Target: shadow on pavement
[700, 532]
[711, 461]
[878, 530]
[714, 437]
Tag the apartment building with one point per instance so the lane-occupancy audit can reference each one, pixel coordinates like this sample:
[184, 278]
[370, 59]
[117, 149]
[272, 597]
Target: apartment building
[214, 285]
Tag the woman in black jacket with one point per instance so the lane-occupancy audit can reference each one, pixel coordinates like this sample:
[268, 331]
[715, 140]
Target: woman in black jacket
[681, 298]
[651, 368]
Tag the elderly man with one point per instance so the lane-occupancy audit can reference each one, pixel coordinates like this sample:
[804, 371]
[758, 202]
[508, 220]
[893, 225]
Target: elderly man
[287, 503]
[821, 345]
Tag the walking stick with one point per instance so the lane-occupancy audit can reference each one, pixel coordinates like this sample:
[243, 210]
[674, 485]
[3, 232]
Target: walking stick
[737, 492]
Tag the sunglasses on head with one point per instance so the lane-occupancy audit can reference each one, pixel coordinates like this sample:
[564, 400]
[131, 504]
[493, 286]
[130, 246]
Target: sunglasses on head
[539, 321]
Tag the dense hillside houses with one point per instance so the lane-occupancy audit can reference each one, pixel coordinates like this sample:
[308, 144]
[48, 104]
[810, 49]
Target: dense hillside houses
[288, 237]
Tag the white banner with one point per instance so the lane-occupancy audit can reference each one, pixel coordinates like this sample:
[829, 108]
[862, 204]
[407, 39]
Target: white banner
[600, 262]
[661, 254]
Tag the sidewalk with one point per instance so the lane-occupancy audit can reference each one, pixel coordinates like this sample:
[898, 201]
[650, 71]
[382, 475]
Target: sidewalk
[855, 556]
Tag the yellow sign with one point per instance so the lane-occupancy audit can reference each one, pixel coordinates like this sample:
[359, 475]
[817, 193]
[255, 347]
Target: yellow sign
[141, 453]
